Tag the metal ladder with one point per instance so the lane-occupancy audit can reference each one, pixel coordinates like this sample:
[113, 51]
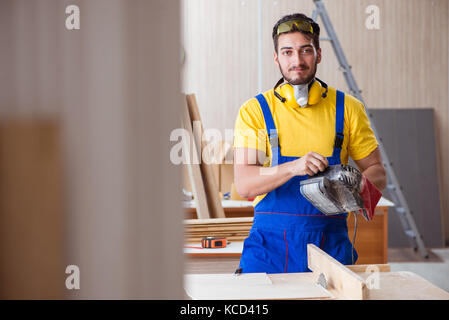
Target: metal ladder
[393, 186]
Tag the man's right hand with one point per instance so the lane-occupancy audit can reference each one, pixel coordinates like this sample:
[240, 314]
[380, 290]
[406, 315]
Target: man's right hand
[251, 178]
[309, 164]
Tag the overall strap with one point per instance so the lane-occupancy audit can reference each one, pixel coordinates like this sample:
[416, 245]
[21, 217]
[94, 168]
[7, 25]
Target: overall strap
[339, 125]
[271, 130]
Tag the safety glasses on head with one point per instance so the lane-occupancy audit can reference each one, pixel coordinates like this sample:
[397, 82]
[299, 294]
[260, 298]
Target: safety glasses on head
[300, 25]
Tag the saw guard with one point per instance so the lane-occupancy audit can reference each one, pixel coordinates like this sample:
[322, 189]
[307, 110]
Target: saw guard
[335, 190]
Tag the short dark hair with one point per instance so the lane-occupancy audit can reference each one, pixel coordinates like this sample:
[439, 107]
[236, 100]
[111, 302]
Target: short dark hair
[298, 16]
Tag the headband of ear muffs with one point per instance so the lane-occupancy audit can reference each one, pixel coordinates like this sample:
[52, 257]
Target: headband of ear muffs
[316, 91]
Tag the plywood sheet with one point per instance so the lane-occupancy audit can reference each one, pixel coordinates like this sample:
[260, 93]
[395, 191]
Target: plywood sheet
[409, 140]
[404, 285]
[253, 286]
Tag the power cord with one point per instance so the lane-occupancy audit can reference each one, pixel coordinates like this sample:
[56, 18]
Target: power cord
[353, 238]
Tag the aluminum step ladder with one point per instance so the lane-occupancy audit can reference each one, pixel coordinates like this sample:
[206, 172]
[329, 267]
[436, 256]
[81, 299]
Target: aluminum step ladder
[393, 186]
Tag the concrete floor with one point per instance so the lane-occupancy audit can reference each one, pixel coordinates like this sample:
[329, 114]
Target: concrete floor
[435, 269]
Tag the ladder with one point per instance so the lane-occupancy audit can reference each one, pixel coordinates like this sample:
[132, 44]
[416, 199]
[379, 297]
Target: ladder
[393, 186]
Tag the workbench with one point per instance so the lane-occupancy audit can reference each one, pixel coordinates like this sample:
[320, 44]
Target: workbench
[329, 279]
[371, 239]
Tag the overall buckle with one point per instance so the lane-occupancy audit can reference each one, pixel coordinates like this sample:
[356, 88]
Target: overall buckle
[338, 140]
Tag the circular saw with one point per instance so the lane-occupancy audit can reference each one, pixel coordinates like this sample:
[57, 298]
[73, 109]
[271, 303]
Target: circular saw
[336, 190]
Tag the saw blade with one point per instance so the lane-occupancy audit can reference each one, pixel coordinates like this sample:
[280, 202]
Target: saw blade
[322, 281]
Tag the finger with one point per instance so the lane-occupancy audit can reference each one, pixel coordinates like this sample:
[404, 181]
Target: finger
[313, 169]
[319, 163]
[320, 158]
[309, 172]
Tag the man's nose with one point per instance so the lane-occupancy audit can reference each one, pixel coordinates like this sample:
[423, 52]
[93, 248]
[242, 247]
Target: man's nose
[297, 59]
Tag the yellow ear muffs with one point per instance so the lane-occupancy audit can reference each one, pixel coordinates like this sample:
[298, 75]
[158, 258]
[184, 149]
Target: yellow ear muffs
[286, 91]
[315, 93]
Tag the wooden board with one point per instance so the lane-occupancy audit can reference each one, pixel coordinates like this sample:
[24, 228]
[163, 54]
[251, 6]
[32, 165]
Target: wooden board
[193, 168]
[234, 229]
[219, 221]
[253, 286]
[211, 186]
[404, 285]
[338, 277]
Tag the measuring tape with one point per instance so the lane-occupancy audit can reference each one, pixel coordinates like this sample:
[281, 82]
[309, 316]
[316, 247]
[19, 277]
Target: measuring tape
[213, 242]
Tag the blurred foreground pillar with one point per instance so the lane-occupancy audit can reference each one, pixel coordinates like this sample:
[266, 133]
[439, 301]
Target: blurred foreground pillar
[113, 89]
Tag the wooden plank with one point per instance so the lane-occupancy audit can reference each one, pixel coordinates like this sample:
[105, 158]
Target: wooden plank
[249, 286]
[404, 285]
[234, 229]
[212, 192]
[193, 168]
[221, 220]
[208, 232]
[338, 277]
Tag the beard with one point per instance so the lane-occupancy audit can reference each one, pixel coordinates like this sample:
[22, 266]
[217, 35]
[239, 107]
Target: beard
[298, 80]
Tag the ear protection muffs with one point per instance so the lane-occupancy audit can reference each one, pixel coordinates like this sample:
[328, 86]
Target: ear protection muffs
[317, 90]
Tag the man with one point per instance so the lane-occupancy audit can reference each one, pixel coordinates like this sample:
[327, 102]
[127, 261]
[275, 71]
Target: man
[289, 133]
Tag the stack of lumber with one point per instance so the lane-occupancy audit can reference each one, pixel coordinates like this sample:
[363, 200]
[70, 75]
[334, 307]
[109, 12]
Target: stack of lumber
[204, 187]
[234, 229]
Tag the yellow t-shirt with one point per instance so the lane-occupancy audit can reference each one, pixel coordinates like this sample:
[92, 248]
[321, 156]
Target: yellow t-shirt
[302, 130]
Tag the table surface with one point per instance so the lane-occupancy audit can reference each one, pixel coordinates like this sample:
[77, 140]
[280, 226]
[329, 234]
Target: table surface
[401, 285]
[383, 202]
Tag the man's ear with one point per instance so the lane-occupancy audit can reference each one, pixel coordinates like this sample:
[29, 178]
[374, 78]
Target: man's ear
[318, 55]
[276, 60]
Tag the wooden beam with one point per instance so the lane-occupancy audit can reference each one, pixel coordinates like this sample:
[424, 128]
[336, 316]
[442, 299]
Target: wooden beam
[193, 168]
[338, 276]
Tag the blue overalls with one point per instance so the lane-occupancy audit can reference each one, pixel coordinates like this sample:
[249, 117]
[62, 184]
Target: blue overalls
[285, 222]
